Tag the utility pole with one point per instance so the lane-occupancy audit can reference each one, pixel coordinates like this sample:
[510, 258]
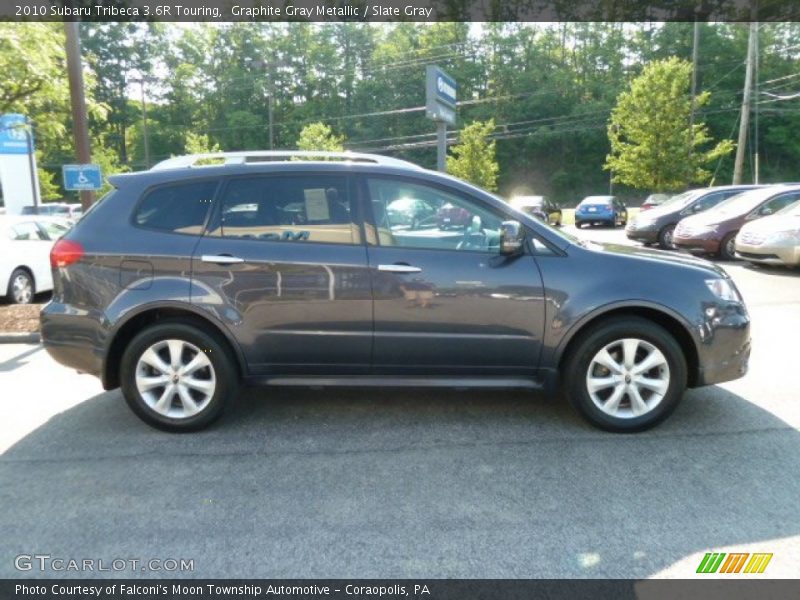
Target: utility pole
[744, 121]
[145, 137]
[695, 50]
[756, 166]
[78, 101]
[270, 67]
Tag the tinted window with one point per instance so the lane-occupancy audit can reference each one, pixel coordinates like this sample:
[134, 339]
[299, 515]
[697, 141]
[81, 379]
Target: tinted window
[307, 208]
[711, 200]
[456, 223]
[53, 230]
[27, 231]
[779, 203]
[177, 208]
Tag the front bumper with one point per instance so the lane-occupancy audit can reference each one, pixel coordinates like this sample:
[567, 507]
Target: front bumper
[697, 244]
[648, 236]
[769, 254]
[724, 351]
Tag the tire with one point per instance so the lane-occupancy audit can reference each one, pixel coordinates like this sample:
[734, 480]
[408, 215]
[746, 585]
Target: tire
[727, 246]
[628, 415]
[21, 287]
[665, 237]
[174, 412]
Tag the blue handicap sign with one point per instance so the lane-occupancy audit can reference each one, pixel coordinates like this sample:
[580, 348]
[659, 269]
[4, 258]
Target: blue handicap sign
[82, 177]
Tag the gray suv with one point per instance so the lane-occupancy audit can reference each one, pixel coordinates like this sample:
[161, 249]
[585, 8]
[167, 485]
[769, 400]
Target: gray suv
[186, 281]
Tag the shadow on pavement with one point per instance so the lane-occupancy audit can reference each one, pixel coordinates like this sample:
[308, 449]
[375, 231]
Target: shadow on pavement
[17, 361]
[346, 483]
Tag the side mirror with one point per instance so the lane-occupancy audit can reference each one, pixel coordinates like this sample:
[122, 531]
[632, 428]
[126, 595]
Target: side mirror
[512, 236]
[765, 211]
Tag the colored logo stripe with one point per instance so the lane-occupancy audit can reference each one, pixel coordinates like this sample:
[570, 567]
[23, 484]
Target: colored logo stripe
[712, 562]
[734, 562]
[758, 563]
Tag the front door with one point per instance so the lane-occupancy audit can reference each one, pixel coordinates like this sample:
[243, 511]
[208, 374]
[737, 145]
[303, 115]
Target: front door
[446, 301]
[284, 265]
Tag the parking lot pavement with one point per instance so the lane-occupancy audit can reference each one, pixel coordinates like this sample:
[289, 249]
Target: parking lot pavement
[380, 483]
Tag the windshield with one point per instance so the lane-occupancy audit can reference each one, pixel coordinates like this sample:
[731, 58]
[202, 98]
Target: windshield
[605, 200]
[744, 202]
[682, 199]
[793, 210]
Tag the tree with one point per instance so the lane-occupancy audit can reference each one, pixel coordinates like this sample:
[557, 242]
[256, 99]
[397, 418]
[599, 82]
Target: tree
[474, 157]
[199, 144]
[652, 144]
[318, 136]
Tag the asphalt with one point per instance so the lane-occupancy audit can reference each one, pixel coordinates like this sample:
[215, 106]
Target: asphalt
[422, 484]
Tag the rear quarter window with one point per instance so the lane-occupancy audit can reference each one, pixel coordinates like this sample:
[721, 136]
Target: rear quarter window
[177, 208]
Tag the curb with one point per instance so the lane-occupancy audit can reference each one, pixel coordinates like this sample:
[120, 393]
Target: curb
[20, 338]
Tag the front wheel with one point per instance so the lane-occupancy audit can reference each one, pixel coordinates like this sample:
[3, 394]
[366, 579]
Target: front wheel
[727, 248]
[665, 237]
[177, 377]
[625, 375]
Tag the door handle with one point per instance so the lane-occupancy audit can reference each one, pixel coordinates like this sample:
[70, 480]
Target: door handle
[221, 259]
[399, 269]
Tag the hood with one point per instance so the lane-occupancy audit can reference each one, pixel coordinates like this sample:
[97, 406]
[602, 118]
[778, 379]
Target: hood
[651, 214]
[773, 223]
[657, 256]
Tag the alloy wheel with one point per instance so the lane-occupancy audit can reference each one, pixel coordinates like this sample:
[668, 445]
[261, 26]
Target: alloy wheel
[175, 378]
[628, 378]
[22, 289]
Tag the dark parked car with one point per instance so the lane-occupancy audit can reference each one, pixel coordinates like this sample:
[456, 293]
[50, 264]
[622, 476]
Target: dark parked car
[164, 290]
[654, 200]
[657, 225]
[540, 207]
[601, 210]
[714, 231]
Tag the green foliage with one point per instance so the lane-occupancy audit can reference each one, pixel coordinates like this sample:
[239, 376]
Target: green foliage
[653, 146]
[318, 136]
[474, 157]
[197, 143]
[109, 164]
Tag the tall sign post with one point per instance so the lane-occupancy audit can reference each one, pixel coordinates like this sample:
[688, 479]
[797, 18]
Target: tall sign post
[78, 102]
[440, 106]
[18, 176]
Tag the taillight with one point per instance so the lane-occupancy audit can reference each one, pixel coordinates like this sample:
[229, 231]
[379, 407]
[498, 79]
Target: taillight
[65, 253]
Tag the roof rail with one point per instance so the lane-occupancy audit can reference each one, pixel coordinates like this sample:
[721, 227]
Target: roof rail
[261, 156]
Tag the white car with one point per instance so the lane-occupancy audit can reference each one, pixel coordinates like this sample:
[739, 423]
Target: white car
[772, 240]
[25, 243]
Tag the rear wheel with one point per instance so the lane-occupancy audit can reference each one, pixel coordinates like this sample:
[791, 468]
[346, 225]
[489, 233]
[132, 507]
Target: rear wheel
[176, 377]
[727, 248]
[625, 375]
[665, 237]
[20, 287]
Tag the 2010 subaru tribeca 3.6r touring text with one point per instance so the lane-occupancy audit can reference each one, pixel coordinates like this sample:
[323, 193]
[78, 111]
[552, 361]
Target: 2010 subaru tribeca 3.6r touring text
[187, 280]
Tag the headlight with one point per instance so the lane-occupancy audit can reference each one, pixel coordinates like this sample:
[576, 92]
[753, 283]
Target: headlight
[724, 290]
[791, 236]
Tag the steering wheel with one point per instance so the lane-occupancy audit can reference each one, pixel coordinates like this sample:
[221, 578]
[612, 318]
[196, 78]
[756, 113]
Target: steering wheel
[474, 236]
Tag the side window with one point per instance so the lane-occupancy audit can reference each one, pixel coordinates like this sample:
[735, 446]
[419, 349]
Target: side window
[307, 208]
[778, 203]
[178, 208]
[412, 215]
[711, 200]
[27, 231]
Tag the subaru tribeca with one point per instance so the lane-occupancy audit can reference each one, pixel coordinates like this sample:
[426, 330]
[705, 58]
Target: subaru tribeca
[186, 281]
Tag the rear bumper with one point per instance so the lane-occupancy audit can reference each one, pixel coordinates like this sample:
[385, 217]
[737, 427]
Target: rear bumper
[73, 338]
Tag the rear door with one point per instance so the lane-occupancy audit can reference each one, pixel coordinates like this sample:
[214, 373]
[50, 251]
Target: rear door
[283, 263]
